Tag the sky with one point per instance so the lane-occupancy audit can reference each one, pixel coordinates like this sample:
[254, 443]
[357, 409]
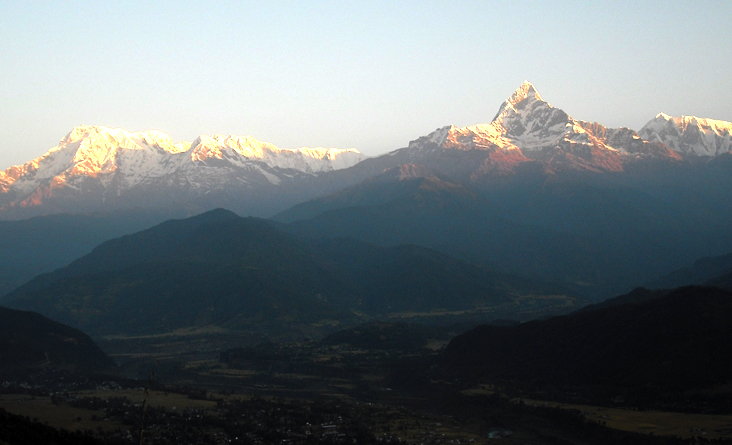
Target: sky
[372, 75]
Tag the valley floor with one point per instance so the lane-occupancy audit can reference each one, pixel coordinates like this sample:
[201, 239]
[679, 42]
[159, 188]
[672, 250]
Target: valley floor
[311, 392]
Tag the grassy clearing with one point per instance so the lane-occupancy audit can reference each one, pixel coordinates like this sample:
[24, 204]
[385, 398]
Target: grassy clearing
[439, 313]
[481, 390]
[182, 332]
[520, 304]
[660, 423]
[326, 323]
[57, 416]
[155, 398]
[408, 426]
[436, 345]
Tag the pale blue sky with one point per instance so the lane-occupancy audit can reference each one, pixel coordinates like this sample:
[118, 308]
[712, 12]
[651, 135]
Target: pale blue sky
[364, 74]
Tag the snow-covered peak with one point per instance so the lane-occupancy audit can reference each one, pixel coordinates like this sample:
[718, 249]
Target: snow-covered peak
[527, 125]
[215, 146]
[524, 121]
[531, 123]
[440, 135]
[239, 150]
[121, 159]
[690, 135]
[97, 137]
[524, 95]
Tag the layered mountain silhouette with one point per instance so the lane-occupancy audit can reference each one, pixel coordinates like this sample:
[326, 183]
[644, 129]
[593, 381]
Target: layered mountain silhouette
[603, 237]
[538, 193]
[713, 271]
[413, 205]
[218, 269]
[45, 243]
[534, 192]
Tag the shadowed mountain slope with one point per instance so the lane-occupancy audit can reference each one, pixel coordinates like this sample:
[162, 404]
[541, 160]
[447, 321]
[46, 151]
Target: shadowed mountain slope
[675, 342]
[604, 238]
[636, 296]
[31, 341]
[710, 270]
[245, 274]
[44, 243]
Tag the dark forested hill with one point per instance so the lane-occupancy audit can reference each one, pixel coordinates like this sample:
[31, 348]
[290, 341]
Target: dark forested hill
[245, 274]
[676, 342]
[31, 341]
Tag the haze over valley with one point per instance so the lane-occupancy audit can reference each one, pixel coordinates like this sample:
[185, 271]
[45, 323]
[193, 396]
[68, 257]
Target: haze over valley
[532, 215]
[302, 223]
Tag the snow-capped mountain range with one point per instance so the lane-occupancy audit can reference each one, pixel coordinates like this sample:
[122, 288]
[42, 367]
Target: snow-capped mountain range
[690, 135]
[95, 167]
[530, 127]
[113, 161]
[115, 154]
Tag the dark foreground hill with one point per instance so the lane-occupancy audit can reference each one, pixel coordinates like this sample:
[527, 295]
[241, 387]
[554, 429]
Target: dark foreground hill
[677, 342]
[218, 269]
[31, 341]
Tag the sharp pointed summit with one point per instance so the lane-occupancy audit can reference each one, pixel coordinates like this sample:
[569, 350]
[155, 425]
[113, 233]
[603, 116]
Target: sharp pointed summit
[95, 167]
[522, 93]
[527, 127]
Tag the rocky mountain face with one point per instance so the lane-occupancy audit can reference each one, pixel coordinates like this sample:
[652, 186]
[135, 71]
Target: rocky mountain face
[690, 135]
[527, 128]
[527, 141]
[101, 168]
[96, 167]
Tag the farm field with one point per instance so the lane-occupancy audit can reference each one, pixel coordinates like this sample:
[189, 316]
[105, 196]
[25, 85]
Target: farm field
[659, 423]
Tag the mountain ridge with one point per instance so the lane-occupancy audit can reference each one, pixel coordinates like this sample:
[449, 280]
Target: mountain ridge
[95, 167]
[102, 164]
[690, 135]
[528, 125]
[246, 274]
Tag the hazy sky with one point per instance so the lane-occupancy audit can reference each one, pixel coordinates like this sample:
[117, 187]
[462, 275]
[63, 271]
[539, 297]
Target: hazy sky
[364, 74]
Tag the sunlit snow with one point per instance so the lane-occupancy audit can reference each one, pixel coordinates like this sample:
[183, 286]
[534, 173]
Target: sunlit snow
[134, 158]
